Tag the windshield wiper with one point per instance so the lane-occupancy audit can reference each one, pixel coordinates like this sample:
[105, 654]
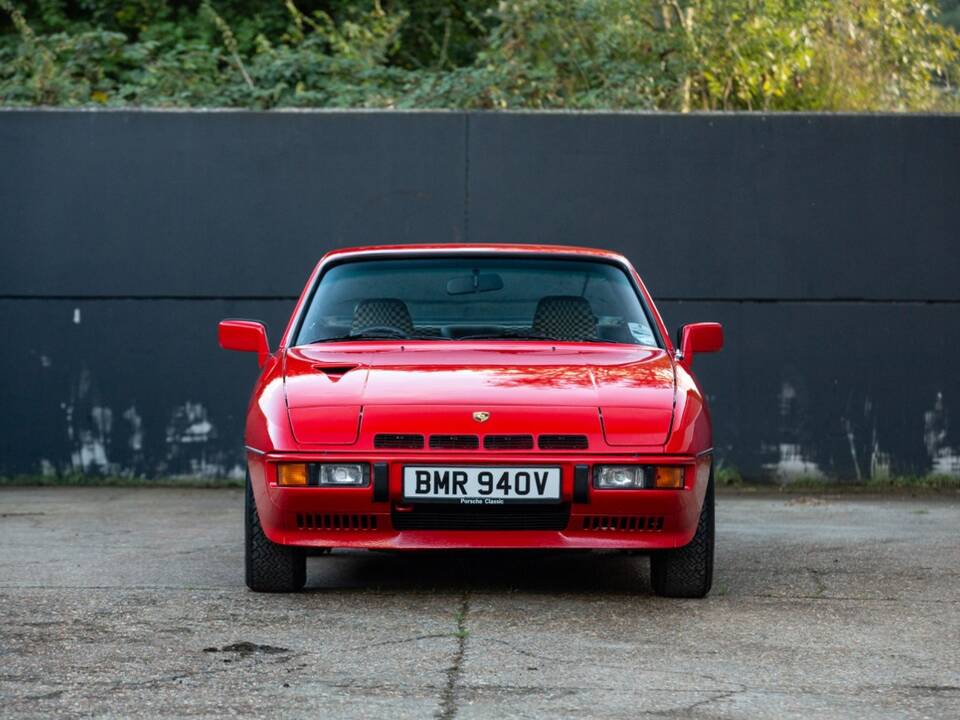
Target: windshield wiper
[528, 335]
[380, 334]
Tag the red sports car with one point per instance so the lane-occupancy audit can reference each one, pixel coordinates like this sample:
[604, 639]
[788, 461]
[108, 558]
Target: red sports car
[477, 396]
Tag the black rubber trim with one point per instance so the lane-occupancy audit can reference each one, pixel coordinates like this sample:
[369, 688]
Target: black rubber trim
[381, 482]
[581, 483]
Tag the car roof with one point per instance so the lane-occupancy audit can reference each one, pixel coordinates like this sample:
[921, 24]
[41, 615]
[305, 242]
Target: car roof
[470, 248]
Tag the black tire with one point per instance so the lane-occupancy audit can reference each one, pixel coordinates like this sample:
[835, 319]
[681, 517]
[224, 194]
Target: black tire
[688, 571]
[269, 567]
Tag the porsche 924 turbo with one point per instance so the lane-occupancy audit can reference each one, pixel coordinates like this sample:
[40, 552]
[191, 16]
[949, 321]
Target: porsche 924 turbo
[477, 396]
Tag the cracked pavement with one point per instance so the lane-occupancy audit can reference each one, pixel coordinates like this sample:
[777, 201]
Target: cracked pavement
[130, 603]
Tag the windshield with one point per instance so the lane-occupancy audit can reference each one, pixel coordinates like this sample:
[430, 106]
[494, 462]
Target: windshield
[450, 299]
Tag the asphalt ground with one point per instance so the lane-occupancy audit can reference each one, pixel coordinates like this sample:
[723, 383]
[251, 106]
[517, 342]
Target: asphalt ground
[131, 603]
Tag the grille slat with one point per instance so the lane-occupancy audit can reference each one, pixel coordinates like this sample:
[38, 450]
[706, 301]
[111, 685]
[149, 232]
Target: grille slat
[396, 440]
[508, 442]
[338, 521]
[483, 517]
[563, 442]
[624, 523]
[454, 442]
[472, 442]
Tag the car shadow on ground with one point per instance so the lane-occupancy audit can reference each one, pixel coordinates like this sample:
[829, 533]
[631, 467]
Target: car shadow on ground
[482, 570]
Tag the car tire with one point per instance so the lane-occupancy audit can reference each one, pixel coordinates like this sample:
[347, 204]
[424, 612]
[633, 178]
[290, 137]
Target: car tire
[688, 571]
[269, 567]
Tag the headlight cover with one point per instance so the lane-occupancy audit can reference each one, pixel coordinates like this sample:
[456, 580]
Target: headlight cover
[619, 477]
[637, 477]
[343, 474]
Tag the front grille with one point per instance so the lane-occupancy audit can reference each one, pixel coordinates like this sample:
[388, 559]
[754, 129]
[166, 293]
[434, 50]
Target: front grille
[393, 440]
[454, 442]
[483, 517]
[563, 442]
[508, 442]
[624, 523]
[335, 521]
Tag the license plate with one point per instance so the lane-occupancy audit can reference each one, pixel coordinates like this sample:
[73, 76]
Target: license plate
[481, 485]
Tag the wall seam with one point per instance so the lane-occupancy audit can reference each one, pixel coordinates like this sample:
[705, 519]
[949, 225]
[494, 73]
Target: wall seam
[466, 177]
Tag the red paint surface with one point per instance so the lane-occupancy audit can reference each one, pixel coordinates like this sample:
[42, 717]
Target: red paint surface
[325, 402]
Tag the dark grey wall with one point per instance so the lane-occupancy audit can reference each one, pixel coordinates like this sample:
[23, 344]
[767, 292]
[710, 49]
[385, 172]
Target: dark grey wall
[825, 244]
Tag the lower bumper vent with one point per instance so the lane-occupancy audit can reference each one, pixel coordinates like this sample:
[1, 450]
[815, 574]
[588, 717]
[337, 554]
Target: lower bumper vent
[483, 517]
[335, 521]
[624, 523]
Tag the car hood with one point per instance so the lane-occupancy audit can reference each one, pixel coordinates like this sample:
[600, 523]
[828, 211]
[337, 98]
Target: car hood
[327, 385]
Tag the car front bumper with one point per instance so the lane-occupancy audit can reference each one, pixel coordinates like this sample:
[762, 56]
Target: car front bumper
[349, 517]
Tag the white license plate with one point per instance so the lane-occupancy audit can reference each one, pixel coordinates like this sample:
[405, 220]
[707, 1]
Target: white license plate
[468, 485]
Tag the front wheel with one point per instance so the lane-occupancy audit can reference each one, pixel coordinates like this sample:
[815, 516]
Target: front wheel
[269, 567]
[688, 571]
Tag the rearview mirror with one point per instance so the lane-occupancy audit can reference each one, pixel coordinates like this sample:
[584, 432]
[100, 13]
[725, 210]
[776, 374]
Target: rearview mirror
[245, 336]
[475, 283]
[699, 338]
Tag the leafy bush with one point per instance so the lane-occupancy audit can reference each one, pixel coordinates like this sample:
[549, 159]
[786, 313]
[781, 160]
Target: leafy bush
[575, 54]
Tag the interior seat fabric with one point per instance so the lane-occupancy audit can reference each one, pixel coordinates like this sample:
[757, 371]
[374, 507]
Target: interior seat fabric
[567, 317]
[381, 312]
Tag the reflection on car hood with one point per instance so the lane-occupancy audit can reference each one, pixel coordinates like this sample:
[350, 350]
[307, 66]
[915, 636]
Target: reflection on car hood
[479, 373]
[345, 394]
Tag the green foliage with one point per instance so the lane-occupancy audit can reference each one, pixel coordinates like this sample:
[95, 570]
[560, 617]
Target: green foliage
[727, 476]
[574, 54]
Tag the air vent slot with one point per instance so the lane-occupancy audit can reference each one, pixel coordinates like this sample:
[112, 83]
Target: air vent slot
[563, 442]
[335, 521]
[508, 442]
[334, 372]
[483, 517]
[393, 440]
[624, 523]
[454, 442]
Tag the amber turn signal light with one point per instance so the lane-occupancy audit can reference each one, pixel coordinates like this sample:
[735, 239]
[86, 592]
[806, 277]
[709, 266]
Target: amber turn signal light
[668, 477]
[293, 474]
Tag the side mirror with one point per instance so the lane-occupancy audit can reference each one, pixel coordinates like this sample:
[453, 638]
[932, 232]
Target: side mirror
[245, 336]
[699, 338]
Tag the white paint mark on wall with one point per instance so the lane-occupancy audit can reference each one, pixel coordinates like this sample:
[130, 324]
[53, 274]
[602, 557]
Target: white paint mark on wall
[788, 394]
[188, 434]
[792, 465]
[935, 426]
[852, 442]
[189, 424]
[879, 460]
[76, 316]
[136, 428]
[945, 460]
[91, 455]
[91, 450]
